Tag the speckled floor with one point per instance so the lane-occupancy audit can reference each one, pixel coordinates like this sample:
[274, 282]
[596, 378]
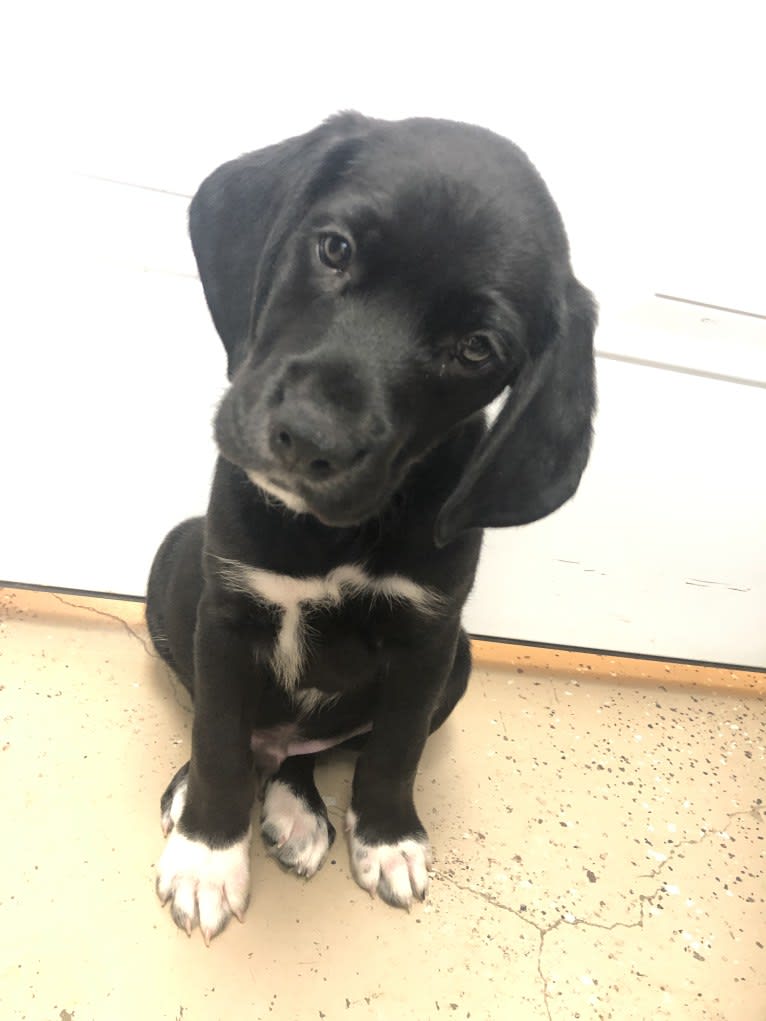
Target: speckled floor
[599, 848]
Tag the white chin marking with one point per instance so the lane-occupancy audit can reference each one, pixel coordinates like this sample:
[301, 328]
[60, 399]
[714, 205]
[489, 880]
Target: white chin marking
[205, 885]
[290, 500]
[398, 873]
[295, 835]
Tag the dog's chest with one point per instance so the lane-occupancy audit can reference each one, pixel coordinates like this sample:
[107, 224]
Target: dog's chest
[312, 609]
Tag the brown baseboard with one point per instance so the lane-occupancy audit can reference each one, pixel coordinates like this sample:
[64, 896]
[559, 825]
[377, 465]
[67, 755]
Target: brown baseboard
[613, 668]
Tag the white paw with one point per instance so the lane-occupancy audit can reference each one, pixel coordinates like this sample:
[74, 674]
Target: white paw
[205, 885]
[297, 836]
[397, 872]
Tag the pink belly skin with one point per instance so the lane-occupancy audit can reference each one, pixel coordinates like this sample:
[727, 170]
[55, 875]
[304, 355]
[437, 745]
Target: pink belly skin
[273, 745]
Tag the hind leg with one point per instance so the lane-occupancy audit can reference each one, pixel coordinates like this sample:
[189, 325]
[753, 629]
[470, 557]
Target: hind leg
[175, 587]
[294, 822]
[453, 690]
[175, 584]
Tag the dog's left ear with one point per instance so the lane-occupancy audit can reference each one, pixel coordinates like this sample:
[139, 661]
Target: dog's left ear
[243, 212]
[532, 459]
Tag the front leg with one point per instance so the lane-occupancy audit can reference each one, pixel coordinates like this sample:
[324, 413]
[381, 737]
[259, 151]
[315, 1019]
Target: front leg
[390, 852]
[204, 870]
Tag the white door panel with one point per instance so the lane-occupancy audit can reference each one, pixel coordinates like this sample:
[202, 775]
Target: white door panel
[646, 129]
[663, 549]
[647, 136]
[685, 336]
[111, 374]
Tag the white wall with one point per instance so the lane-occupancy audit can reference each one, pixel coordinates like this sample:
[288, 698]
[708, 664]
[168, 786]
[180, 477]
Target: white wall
[646, 124]
[645, 120]
[663, 550]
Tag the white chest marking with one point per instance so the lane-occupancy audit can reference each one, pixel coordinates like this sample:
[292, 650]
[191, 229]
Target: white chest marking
[294, 595]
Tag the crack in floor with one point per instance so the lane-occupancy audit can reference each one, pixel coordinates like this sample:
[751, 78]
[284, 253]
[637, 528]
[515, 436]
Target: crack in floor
[109, 616]
[643, 899]
[754, 811]
[542, 931]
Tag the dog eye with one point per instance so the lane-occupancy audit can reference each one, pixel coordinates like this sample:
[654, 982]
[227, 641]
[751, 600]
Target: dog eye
[475, 349]
[335, 251]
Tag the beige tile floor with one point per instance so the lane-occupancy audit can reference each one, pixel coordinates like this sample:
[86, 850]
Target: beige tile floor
[599, 843]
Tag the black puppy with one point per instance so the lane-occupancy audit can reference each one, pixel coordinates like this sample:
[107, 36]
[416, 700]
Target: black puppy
[376, 285]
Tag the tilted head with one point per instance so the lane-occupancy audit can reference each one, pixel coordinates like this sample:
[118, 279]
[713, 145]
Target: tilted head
[376, 284]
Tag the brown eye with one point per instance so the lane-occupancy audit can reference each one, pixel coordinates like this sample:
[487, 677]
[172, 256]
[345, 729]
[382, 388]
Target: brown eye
[335, 251]
[475, 349]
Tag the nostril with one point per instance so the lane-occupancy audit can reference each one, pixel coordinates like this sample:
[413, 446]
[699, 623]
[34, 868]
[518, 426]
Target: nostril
[283, 445]
[320, 468]
[358, 457]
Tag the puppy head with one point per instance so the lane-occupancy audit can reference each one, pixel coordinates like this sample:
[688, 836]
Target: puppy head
[376, 284]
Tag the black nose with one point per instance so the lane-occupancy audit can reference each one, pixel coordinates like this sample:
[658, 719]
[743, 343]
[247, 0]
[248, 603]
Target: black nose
[311, 447]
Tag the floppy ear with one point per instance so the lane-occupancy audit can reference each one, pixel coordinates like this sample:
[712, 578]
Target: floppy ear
[531, 461]
[241, 207]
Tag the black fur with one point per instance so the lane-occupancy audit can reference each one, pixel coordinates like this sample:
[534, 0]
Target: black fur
[353, 390]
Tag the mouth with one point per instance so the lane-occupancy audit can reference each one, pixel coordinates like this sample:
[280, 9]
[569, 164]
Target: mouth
[350, 497]
[285, 496]
[333, 507]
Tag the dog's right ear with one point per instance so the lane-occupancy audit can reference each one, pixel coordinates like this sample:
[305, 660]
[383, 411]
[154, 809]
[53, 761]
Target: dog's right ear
[245, 206]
